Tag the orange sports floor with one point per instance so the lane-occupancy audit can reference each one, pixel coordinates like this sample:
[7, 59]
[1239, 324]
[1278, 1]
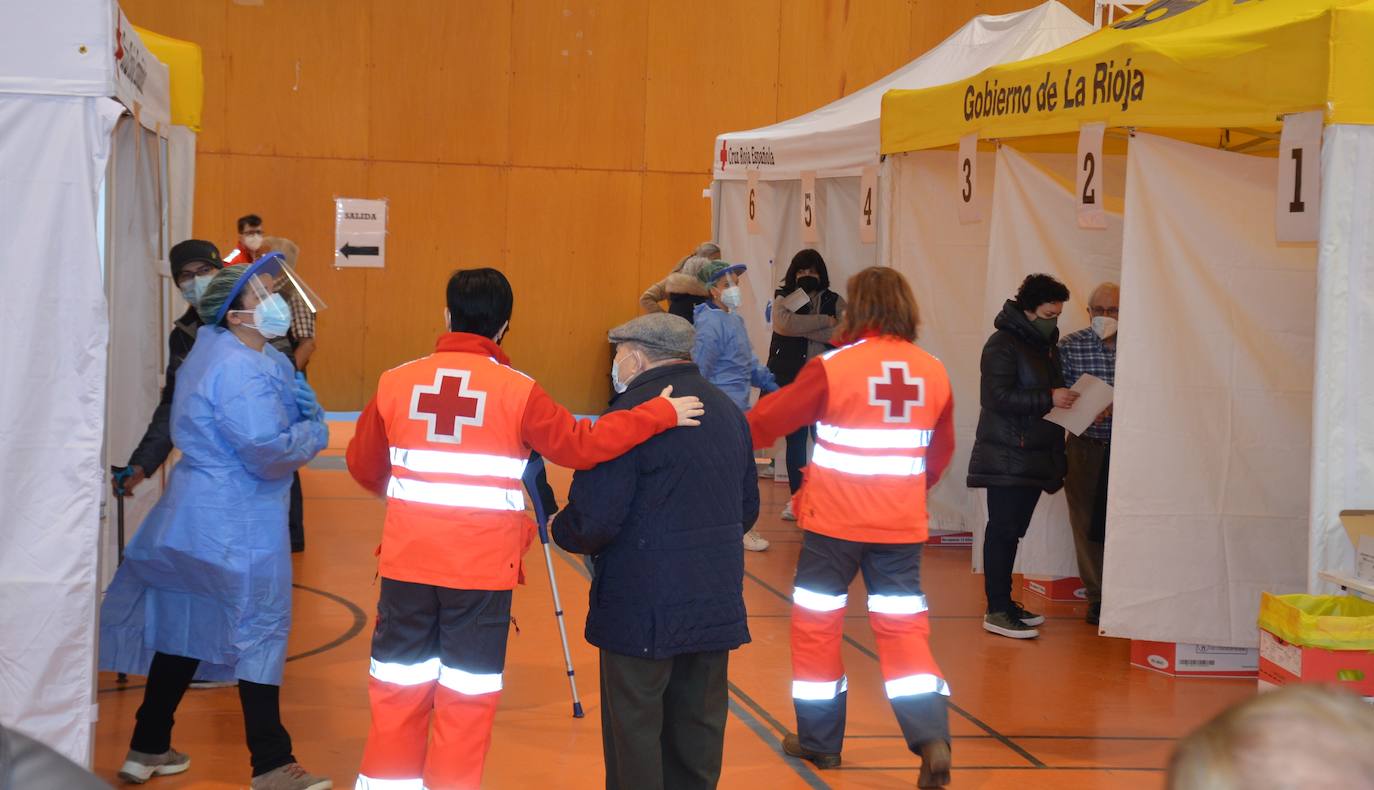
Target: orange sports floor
[1065, 711]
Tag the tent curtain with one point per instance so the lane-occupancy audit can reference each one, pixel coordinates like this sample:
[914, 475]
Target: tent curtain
[1208, 499]
[52, 409]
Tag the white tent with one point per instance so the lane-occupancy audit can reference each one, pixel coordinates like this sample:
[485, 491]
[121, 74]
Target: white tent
[836, 144]
[84, 201]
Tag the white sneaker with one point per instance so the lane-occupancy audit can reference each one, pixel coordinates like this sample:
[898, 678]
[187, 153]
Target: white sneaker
[787, 514]
[139, 767]
[753, 541]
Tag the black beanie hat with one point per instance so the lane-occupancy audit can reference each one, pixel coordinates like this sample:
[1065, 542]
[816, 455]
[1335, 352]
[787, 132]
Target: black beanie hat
[190, 251]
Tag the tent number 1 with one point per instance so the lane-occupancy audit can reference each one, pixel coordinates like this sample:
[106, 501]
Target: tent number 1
[807, 209]
[967, 191]
[1297, 206]
[1090, 165]
[868, 206]
[751, 204]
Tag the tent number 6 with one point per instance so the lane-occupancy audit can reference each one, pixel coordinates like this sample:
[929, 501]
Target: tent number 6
[1090, 165]
[751, 204]
[967, 192]
[807, 209]
[1297, 206]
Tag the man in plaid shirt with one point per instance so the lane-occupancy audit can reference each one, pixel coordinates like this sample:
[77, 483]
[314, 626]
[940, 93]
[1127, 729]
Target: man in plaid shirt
[1091, 351]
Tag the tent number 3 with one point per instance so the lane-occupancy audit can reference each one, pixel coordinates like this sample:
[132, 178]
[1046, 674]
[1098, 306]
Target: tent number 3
[1297, 206]
[967, 192]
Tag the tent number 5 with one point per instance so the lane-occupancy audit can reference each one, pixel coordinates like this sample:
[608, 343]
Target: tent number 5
[868, 206]
[1297, 206]
[751, 204]
[967, 192]
[1090, 166]
[807, 209]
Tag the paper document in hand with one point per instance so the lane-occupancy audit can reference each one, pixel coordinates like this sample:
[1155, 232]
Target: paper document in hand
[796, 300]
[1094, 396]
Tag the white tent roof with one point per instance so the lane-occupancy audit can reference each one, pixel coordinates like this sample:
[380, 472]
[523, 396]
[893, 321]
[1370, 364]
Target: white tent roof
[842, 137]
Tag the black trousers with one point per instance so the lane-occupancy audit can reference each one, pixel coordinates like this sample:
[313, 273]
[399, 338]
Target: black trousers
[797, 455]
[269, 743]
[1010, 509]
[663, 721]
[296, 517]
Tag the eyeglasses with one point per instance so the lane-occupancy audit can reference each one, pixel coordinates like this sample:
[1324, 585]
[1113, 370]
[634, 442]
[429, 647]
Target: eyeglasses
[194, 270]
[1110, 312]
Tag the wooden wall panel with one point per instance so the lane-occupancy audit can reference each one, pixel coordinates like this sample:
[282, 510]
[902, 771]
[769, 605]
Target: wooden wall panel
[439, 218]
[831, 49]
[577, 92]
[298, 78]
[566, 141]
[440, 89]
[295, 198]
[204, 24]
[676, 219]
[712, 68]
[572, 240]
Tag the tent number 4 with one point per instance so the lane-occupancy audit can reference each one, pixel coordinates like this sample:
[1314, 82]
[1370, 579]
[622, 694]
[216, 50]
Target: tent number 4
[1090, 167]
[868, 206]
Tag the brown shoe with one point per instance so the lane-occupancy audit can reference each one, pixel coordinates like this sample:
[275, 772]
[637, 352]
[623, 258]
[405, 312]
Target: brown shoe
[935, 764]
[792, 746]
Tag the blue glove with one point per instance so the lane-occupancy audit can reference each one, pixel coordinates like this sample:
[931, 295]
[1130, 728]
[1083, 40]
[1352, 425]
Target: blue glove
[306, 400]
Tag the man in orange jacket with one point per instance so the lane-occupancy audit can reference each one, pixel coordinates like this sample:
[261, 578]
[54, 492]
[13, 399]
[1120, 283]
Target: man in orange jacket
[884, 417]
[446, 440]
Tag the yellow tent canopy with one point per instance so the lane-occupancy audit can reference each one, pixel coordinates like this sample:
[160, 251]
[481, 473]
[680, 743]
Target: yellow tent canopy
[1188, 66]
[183, 59]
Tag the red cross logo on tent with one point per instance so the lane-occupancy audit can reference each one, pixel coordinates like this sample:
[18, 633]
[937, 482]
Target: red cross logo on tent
[896, 391]
[724, 156]
[448, 405]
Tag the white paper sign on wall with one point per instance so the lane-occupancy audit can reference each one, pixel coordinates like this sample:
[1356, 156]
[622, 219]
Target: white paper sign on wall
[967, 192]
[1298, 201]
[810, 212]
[868, 205]
[752, 205]
[359, 233]
[1089, 190]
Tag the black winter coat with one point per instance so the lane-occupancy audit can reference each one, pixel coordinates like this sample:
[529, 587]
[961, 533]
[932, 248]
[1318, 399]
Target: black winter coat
[156, 445]
[787, 354]
[1014, 445]
[665, 524]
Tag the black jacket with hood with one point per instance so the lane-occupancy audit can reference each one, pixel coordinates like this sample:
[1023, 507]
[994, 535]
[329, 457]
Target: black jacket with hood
[1015, 446]
[156, 445]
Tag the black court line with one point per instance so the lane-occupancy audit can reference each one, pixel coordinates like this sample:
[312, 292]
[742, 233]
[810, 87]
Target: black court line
[359, 623]
[800, 767]
[897, 736]
[979, 723]
[958, 768]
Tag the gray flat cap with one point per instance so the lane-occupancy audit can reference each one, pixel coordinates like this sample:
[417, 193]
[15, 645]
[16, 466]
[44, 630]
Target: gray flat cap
[662, 332]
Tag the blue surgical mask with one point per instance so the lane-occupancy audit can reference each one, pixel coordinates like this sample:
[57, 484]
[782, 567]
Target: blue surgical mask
[619, 385]
[732, 297]
[192, 290]
[272, 317]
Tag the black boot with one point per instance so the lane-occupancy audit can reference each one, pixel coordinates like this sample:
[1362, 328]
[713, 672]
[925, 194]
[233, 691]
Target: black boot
[792, 745]
[935, 764]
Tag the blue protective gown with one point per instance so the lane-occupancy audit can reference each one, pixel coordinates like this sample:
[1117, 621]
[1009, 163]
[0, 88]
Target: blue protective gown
[724, 356]
[208, 574]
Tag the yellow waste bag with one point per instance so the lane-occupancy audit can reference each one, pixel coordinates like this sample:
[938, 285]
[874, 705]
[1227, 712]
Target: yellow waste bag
[1331, 622]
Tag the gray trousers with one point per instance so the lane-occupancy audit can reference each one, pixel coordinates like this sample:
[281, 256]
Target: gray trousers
[1085, 490]
[663, 722]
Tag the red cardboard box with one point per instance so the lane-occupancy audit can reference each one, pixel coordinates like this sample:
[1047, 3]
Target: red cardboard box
[1282, 663]
[1183, 660]
[1063, 589]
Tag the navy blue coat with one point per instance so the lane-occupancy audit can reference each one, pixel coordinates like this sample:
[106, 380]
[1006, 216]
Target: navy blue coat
[665, 525]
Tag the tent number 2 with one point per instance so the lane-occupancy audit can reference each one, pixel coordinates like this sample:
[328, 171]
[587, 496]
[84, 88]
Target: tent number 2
[1090, 165]
[806, 209]
[868, 206]
[751, 204]
[967, 192]
[1297, 206]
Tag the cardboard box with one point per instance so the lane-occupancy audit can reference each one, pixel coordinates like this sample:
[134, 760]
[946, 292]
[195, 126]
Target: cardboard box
[1183, 660]
[1282, 663]
[958, 539]
[1062, 589]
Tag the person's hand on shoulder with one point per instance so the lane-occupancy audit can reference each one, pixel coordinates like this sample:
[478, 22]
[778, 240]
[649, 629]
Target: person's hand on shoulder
[688, 407]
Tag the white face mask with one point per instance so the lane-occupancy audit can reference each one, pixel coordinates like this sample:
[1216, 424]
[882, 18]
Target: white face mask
[1104, 327]
[617, 382]
[253, 241]
[732, 297]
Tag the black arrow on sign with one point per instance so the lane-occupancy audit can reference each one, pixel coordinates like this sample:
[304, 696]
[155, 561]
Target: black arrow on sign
[349, 250]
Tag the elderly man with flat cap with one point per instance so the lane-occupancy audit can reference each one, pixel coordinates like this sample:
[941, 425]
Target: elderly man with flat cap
[663, 524]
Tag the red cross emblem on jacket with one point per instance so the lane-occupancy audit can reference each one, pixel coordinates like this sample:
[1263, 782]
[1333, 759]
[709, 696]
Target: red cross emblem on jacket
[448, 405]
[897, 391]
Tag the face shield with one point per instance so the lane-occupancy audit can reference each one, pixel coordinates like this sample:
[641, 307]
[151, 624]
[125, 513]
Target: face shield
[268, 286]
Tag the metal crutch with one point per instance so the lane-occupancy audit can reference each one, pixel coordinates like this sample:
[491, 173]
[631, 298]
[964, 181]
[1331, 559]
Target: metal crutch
[541, 519]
